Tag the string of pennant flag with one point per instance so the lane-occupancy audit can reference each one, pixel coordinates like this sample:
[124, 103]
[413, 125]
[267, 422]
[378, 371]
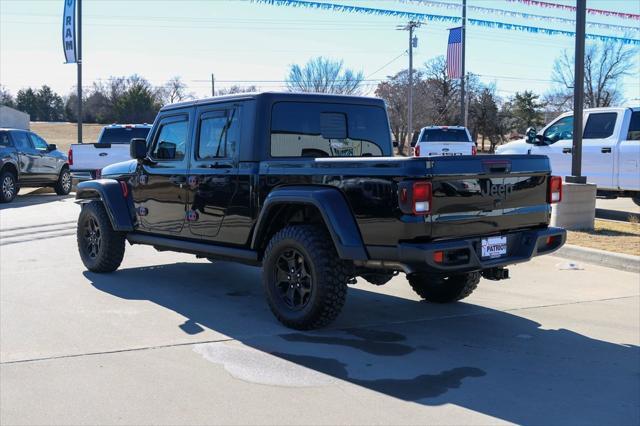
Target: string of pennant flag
[548, 5]
[426, 17]
[522, 15]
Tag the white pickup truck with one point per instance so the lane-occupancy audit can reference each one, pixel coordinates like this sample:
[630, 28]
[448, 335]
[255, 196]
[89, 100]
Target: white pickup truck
[445, 141]
[86, 160]
[610, 149]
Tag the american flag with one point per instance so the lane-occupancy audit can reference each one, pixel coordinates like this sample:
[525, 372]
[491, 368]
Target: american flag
[454, 53]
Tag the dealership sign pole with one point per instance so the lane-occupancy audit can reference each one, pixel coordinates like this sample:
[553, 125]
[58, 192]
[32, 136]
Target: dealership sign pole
[72, 45]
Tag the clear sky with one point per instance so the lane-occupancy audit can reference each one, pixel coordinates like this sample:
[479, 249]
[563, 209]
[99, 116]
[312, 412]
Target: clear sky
[247, 43]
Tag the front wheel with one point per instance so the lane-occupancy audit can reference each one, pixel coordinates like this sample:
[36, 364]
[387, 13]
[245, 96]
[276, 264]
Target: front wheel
[101, 248]
[304, 280]
[63, 185]
[444, 288]
[636, 199]
[8, 187]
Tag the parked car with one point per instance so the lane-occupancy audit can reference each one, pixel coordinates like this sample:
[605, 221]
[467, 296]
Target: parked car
[444, 141]
[88, 159]
[218, 180]
[28, 160]
[610, 149]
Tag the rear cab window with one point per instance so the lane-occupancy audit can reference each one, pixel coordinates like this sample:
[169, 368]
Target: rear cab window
[634, 127]
[444, 135]
[600, 125]
[122, 135]
[308, 129]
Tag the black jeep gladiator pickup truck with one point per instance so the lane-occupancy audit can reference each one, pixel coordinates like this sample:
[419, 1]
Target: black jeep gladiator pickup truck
[307, 187]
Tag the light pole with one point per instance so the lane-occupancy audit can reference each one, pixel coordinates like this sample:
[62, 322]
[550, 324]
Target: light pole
[463, 115]
[578, 96]
[413, 42]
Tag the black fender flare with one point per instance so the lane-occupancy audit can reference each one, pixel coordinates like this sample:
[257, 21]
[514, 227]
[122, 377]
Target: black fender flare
[110, 192]
[335, 212]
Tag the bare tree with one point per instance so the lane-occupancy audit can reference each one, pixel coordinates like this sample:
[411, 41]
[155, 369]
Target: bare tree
[175, 90]
[604, 67]
[236, 89]
[323, 75]
[6, 98]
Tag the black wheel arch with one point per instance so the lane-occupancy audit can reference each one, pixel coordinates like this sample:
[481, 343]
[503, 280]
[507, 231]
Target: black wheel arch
[10, 167]
[119, 207]
[310, 205]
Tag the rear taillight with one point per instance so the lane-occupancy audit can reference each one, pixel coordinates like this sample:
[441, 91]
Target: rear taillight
[125, 189]
[474, 150]
[555, 190]
[421, 197]
[70, 155]
[416, 151]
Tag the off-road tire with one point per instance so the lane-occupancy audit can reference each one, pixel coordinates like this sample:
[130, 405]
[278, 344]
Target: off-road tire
[108, 254]
[8, 187]
[64, 184]
[636, 199]
[328, 274]
[444, 288]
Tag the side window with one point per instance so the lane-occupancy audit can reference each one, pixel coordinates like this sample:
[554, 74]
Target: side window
[171, 139]
[634, 127]
[600, 125]
[218, 134]
[38, 142]
[560, 130]
[4, 140]
[21, 141]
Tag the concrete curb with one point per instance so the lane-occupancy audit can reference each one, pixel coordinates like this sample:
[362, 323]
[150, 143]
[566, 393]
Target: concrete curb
[622, 262]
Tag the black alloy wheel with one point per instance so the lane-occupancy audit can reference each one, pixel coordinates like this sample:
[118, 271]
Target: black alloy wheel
[293, 280]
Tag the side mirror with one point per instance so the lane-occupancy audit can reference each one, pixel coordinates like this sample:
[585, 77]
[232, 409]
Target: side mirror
[51, 147]
[138, 148]
[531, 135]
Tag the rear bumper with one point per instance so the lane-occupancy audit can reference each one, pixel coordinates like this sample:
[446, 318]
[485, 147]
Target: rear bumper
[82, 175]
[464, 255]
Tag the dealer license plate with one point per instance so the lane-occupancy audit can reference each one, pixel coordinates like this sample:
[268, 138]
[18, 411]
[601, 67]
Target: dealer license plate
[493, 247]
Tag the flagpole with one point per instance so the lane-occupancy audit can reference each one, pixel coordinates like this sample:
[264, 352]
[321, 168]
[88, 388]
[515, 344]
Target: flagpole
[463, 116]
[79, 64]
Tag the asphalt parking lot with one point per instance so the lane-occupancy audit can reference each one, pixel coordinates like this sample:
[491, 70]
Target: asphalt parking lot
[170, 339]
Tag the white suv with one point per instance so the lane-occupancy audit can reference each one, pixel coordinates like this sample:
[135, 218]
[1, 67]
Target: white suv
[435, 141]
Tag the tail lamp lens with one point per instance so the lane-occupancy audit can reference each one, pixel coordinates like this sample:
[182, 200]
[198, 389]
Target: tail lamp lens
[555, 189]
[421, 197]
[416, 151]
[474, 150]
[70, 156]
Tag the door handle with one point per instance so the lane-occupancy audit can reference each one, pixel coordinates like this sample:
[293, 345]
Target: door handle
[606, 150]
[566, 150]
[218, 166]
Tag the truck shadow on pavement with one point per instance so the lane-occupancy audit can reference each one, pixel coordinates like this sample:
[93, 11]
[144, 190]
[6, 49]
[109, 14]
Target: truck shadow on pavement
[33, 200]
[493, 362]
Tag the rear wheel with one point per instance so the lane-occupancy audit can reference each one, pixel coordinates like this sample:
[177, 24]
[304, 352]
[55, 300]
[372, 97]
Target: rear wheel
[8, 187]
[444, 288]
[101, 248]
[305, 281]
[63, 185]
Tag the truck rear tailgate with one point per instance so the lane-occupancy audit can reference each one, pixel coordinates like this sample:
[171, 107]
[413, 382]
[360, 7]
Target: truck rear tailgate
[488, 194]
[95, 156]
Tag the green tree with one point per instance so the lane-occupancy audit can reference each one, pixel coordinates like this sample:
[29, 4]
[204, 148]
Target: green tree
[527, 110]
[484, 116]
[138, 103]
[26, 101]
[323, 75]
[49, 105]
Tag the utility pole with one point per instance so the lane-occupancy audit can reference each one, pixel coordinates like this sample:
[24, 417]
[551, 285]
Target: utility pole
[463, 115]
[213, 85]
[578, 95]
[413, 42]
[79, 64]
